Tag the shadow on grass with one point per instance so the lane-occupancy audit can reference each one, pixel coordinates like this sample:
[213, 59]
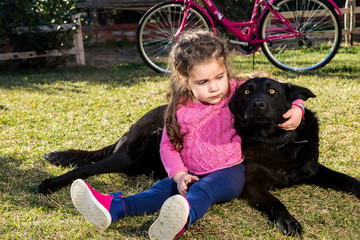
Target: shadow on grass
[19, 186]
[126, 74]
[129, 74]
[343, 73]
[19, 193]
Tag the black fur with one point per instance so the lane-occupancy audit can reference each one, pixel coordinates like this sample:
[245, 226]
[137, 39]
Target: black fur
[273, 157]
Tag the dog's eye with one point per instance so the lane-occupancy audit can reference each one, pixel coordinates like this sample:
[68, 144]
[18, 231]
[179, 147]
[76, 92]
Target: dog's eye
[272, 91]
[247, 92]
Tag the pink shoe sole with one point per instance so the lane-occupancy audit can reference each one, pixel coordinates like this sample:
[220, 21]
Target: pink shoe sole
[89, 206]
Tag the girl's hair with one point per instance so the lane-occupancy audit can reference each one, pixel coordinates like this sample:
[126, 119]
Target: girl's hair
[189, 50]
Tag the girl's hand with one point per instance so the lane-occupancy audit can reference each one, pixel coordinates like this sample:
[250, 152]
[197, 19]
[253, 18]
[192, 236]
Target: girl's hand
[183, 179]
[294, 116]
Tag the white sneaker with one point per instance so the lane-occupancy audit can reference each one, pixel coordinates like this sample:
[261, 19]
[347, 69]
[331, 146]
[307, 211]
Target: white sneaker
[172, 218]
[90, 204]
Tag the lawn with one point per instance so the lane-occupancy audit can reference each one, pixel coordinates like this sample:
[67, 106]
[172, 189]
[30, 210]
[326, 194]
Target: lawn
[91, 107]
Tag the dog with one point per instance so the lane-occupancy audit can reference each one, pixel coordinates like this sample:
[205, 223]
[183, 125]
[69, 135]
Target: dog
[273, 157]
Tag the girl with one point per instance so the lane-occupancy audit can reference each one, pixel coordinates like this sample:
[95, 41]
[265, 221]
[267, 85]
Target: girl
[199, 146]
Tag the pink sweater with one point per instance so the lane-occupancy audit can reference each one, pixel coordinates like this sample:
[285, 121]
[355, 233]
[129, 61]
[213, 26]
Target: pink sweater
[210, 141]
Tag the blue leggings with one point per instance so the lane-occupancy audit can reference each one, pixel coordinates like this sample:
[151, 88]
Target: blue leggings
[219, 186]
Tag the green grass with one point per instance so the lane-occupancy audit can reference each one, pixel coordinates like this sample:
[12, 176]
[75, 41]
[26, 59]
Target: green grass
[91, 107]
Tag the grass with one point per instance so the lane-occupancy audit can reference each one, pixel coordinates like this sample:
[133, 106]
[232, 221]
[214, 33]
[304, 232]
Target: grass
[90, 107]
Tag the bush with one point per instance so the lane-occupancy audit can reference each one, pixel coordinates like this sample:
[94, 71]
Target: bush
[24, 13]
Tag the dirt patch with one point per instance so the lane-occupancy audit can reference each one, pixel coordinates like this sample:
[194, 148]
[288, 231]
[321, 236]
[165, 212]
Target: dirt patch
[110, 57]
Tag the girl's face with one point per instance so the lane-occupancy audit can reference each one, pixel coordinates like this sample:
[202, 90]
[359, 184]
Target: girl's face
[209, 82]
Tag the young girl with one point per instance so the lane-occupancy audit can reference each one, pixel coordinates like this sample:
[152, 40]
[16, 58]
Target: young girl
[199, 148]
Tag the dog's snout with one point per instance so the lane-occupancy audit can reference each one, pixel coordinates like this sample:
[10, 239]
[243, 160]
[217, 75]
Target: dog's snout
[259, 105]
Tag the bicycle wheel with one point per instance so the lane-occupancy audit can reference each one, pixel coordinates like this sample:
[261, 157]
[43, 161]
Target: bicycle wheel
[157, 28]
[319, 24]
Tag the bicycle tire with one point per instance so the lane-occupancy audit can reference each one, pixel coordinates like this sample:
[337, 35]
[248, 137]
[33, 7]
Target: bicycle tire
[318, 22]
[157, 28]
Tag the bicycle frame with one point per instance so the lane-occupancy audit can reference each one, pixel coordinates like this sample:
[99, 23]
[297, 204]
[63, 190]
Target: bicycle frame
[234, 26]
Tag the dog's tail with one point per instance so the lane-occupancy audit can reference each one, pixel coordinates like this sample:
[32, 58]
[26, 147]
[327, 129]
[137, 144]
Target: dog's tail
[78, 157]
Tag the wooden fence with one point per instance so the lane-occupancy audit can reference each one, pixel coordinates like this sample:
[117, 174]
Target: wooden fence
[77, 50]
[350, 28]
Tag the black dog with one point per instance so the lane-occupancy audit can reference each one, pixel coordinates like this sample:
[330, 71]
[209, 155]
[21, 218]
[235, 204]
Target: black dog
[273, 157]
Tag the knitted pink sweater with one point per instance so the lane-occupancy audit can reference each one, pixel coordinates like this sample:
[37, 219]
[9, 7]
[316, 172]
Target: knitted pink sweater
[210, 141]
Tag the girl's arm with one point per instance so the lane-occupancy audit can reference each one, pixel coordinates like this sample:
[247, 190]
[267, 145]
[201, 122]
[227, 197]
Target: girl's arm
[174, 166]
[294, 115]
[183, 179]
[170, 157]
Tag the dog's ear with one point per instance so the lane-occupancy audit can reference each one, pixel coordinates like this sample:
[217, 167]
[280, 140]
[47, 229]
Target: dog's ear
[233, 101]
[294, 92]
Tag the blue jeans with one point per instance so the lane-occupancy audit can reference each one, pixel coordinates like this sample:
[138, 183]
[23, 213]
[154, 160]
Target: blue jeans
[219, 186]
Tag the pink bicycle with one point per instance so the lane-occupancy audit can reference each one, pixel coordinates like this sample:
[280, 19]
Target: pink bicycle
[294, 35]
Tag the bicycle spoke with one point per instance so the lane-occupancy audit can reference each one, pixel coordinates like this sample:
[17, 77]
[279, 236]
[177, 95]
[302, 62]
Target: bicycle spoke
[160, 51]
[321, 23]
[296, 15]
[159, 29]
[310, 19]
[282, 49]
[170, 20]
[167, 20]
[179, 18]
[155, 42]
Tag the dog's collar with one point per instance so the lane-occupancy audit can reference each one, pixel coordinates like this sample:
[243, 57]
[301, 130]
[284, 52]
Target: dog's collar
[275, 147]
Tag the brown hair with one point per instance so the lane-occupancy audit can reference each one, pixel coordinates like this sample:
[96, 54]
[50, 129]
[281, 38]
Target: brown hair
[190, 49]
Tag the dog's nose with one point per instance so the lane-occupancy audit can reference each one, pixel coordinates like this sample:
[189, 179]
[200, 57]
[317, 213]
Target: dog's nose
[259, 105]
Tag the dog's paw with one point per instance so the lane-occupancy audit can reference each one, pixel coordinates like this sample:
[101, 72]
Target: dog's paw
[46, 187]
[53, 157]
[356, 188]
[357, 193]
[288, 226]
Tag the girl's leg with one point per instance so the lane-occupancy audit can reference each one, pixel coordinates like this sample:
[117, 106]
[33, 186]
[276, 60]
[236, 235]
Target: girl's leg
[179, 212]
[101, 210]
[147, 202]
[219, 186]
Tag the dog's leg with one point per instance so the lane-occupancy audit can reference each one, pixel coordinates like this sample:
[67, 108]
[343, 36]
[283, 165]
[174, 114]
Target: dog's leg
[327, 178]
[262, 200]
[117, 162]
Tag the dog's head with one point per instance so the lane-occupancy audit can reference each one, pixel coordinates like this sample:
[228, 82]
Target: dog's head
[259, 103]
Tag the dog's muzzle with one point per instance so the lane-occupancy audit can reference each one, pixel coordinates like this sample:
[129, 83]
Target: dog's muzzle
[258, 109]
